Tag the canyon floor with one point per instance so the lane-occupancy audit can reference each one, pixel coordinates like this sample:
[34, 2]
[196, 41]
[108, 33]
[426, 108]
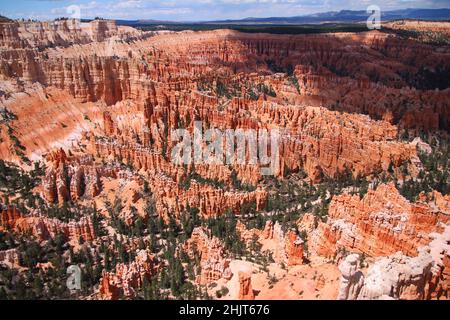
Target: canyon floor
[357, 205]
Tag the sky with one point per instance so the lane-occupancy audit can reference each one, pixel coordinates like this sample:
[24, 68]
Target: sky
[194, 10]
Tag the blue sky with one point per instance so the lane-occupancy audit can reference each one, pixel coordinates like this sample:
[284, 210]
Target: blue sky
[194, 10]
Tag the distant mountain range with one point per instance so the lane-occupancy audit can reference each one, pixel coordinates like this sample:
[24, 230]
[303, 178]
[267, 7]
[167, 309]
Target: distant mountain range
[349, 16]
[343, 16]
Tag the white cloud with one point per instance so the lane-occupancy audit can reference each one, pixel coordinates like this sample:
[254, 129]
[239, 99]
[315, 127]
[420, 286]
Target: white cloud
[194, 10]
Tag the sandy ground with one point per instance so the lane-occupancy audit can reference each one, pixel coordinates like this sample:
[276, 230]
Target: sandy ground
[315, 281]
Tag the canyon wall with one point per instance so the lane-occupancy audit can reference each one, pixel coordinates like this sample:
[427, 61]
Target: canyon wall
[167, 96]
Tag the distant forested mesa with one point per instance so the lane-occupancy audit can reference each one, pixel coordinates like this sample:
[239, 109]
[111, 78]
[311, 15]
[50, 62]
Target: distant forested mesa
[272, 28]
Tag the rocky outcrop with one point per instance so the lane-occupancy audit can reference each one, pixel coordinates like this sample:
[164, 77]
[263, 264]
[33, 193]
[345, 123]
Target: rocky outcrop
[293, 248]
[307, 223]
[380, 224]
[268, 230]
[418, 25]
[433, 32]
[101, 30]
[398, 276]
[248, 236]
[325, 144]
[316, 140]
[108, 124]
[44, 228]
[352, 278]
[439, 249]
[245, 287]
[8, 216]
[124, 282]
[209, 200]
[10, 35]
[62, 33]
[10, 258]
[213, 261]
[48, 119]
[288, 246]
[69, 179]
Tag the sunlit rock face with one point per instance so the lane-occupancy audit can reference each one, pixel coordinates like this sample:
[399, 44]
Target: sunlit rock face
[214, 264]
[380, 224]
[128, 278]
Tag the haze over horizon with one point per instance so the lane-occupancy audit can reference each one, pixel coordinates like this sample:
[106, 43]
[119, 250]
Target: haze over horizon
[197, 10]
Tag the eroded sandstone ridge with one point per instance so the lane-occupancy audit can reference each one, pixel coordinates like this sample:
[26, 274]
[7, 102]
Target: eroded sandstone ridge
[411, 241]
[357, 206]
[10, 258]
[151, 74]
[398, 276]
[214, 265]
[380, 224]
[126, 278]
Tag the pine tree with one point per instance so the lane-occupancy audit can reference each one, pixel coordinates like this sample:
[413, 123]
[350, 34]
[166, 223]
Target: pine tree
[38, 285]
[3, 294]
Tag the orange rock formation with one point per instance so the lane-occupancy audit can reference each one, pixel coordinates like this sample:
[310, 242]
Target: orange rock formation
[214, 264]
[127, 278]
[288, 246]
[245, 287]
[380, 224]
